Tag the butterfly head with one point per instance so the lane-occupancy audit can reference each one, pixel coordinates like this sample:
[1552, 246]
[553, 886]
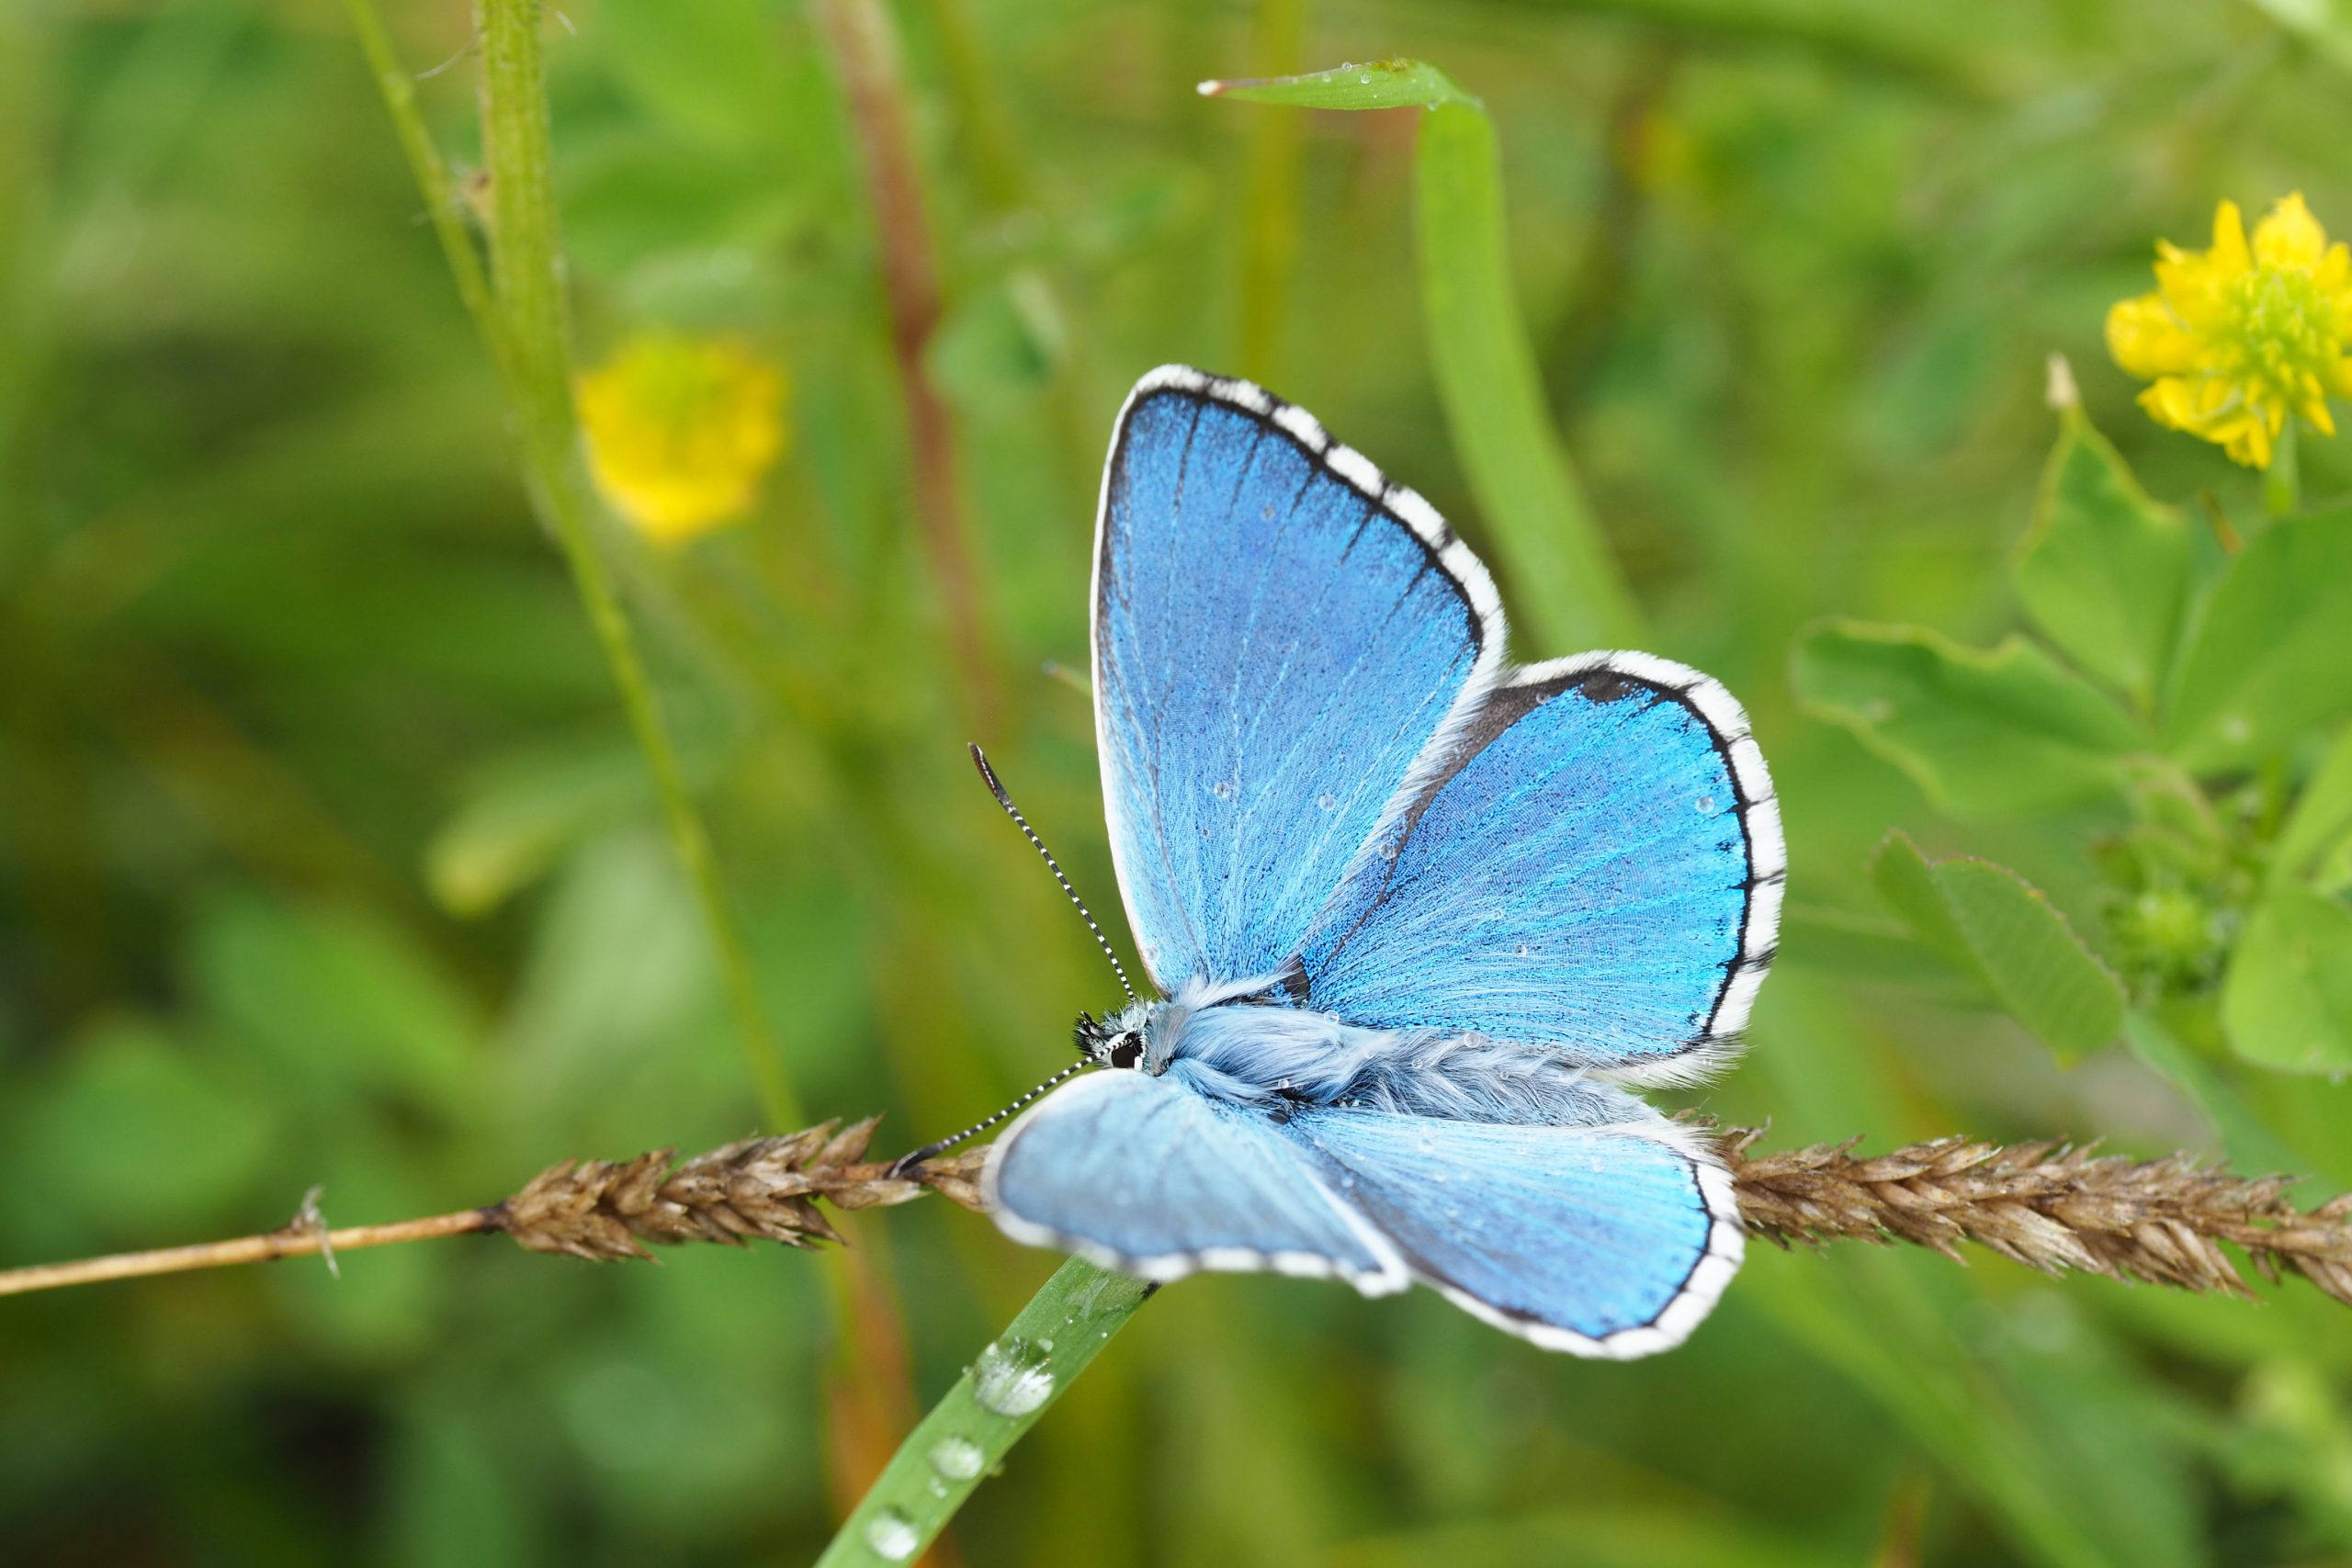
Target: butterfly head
[1114, 1041]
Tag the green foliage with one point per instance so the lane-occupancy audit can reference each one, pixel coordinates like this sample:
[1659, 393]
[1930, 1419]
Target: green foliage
[2314, 840]
[1486, 376]
[140, 1137]
[1990, 924]
[2270, 654]
[1998, 733]
[2288, 999]
[2220, 892]
[328, 855]
[2104, 570]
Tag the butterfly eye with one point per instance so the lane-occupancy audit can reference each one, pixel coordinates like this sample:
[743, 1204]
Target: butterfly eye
[1126, 1050]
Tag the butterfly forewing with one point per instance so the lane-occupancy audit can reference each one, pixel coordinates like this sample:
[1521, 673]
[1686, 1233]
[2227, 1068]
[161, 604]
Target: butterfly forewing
[1277, 636]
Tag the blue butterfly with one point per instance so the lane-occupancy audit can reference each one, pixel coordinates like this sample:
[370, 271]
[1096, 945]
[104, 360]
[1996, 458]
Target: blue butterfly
[1419, 917]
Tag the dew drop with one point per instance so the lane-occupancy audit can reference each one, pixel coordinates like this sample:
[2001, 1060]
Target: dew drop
[891, 1536]
[1705, 803]
[1224, 789]
[1327, 801]
[1011, 1378]
[1388, 851]
[957, 1459]
[1364, 80]
[1521, 950]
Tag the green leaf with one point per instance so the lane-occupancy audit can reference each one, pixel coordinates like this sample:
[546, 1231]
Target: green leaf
[1567, 584]
[1003, 341]
[1907, 883]
[1377, 85]
[1867, 950]
[2272, 655]
[2287, 1002]
[2039, 968]
[342, 1003]
[1986, 734]
[1991, 924]
[141, 1135]
[2103, 571]
[527, 812]
[2322, 818]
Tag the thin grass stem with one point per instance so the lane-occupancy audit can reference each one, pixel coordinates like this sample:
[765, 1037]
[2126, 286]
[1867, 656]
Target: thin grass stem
[298, 1239]
[399, 91]
[530, 337]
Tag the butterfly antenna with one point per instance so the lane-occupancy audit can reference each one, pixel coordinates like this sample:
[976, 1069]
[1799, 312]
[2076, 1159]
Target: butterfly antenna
[979, 760]
[905, 1163]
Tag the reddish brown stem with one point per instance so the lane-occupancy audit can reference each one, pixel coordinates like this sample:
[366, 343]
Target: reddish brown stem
[865, 52]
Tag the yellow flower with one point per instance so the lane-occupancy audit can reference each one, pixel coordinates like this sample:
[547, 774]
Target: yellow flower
[2238, 337]
[680, 430]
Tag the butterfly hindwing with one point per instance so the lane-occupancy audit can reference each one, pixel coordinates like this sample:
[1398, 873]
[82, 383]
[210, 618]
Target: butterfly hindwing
[1608, 1241]
[1146, 1175]
[1595, 871]
[1278, 634]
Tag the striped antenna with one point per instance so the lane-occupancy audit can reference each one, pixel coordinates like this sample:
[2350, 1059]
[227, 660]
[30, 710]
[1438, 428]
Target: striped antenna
[905, 1163]
[987, 773]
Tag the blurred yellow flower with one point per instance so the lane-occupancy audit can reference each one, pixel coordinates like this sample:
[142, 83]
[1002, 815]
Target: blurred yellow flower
[2238, 337]
[680, 430]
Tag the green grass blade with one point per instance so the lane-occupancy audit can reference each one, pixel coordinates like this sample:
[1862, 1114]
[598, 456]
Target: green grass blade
[1569, 591]
[993, 1405]
[1377, 85]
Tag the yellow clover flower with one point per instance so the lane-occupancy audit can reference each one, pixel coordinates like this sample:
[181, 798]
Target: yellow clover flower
[680, 430]
[2238, 337]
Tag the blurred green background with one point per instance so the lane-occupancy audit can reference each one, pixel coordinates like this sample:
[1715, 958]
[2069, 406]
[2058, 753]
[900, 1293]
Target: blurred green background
[326, 856]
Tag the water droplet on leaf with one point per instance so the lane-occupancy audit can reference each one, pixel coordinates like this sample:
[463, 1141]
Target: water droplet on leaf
[958, 1459]
[892, 1536]
[1011, 1378]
